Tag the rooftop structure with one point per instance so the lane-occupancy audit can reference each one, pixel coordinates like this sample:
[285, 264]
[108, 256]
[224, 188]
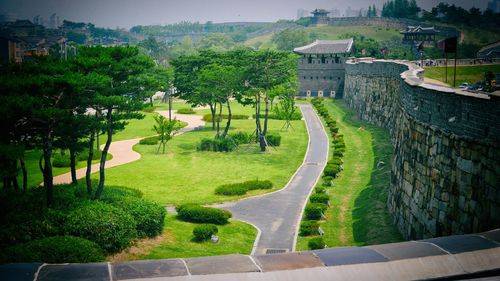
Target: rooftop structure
[321, 69]
[419, 33]
[320, 17]
[326, 47]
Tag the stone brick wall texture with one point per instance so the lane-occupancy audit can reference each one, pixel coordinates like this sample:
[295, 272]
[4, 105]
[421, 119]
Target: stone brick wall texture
[445, 172]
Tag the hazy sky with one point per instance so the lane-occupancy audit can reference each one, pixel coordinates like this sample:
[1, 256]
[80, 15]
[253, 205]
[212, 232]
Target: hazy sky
[127, 13]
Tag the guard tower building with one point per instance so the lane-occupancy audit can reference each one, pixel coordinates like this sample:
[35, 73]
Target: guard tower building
[321, 67]
[320, 17]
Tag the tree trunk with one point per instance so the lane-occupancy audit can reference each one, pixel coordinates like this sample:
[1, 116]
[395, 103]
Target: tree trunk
[229, 117]
[15, 183]
[102, 164]
[25, 173]
[89, 162]
[266, 114]
[48, 180]
[219, 119]
[151, 100]
[72, 159]
[213, 108]
[40, 161]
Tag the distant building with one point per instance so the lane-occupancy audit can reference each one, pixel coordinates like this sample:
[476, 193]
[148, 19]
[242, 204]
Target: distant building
[414, 34]
[321, 67]
[335, 13]
[320, 17]
[54, 21]
[11, 50]
[301, 13]
[491, 51]
[494, 6]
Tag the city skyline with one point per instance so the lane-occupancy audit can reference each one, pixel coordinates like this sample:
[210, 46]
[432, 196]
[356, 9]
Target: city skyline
[127, 13]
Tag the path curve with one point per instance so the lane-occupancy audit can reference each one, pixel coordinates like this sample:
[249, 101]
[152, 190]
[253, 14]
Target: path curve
[277, 215]
[123, 152]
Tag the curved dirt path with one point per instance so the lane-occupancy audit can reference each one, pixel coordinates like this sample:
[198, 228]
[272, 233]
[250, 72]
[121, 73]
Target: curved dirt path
[278, 214]
[122, 150]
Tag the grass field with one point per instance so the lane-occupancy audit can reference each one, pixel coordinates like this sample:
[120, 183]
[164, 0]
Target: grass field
[184, 174]
[358, 214]
[469, 74]
[176, 242]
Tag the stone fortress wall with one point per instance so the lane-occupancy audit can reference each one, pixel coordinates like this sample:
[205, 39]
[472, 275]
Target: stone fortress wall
[445, 173]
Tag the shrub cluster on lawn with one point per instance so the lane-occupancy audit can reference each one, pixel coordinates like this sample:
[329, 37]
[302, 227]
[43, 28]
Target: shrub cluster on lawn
[227, 144]
[208, 117]
[199, 214]
[186, 111]
[308, 228]
[148, 109]
[98, 227]
[316, 243]
[203, 232]
[242, 187]
[150, 140]
[273, 138]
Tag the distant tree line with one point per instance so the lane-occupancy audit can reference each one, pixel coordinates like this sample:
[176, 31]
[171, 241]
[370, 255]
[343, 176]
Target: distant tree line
[400, 9]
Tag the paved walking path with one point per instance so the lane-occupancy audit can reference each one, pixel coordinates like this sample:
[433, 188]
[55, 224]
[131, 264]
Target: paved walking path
[278, 214]
[122, 150]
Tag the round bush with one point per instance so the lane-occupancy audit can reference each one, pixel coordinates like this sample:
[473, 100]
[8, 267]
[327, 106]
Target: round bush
[273, 139]
[327, 181]
[150, 140]
[319, 198]
[320, 190]
[230, 190]
[56, 249]
[61, 161]
[313, 211]
[316, 243]
[308, 228]
[149, 216]
[148, 109]
[111, 228]
[199, 214]
[331, 170]
[242, 138]
[203, 232]
[186, 111]
[338, 153]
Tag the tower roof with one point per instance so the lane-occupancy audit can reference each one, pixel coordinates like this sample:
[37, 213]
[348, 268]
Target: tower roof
[323, 47]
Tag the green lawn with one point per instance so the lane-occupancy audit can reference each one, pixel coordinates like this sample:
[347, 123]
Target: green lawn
[469, 74]
[176, 242]
[358, 214]
[185, 175]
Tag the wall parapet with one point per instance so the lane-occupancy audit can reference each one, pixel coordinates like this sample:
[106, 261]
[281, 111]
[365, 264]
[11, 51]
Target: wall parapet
[445, 174]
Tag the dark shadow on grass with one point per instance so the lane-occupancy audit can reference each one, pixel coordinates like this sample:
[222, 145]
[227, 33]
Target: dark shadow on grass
[372, 223]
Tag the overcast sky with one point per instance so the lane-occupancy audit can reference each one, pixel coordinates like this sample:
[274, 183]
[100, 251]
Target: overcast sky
[127, 13]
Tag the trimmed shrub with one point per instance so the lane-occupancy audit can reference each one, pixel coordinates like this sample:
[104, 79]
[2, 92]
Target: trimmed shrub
[199, 214]
[149, 216]
[226, 144]
[320, 190]
[208, 117]
[338, 153]
[56, 249]
[61, 161]
[316, 243]
[319, 198]
[242, 138]
[331, 170]
[150, 140]
[336, 161]
[186, 111]
[148, 109]
[203, 232]
[327, 181]
[111, 228]
[308, 228]
[273, 139]
[313, 211]
[334, 130]
[297, 115]
[230, 190]
[243, 187]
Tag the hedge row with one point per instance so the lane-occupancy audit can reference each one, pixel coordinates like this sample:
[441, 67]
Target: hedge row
[186, 111]
[242, 187]
[60, 160]
[208, 117]
[297, 115]
[150, 140]
[199, 214]
[230, 142]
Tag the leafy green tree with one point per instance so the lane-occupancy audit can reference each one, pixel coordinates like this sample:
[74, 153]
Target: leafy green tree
[286, 109]
[289, 39]
[216, 41]
[166, 129]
